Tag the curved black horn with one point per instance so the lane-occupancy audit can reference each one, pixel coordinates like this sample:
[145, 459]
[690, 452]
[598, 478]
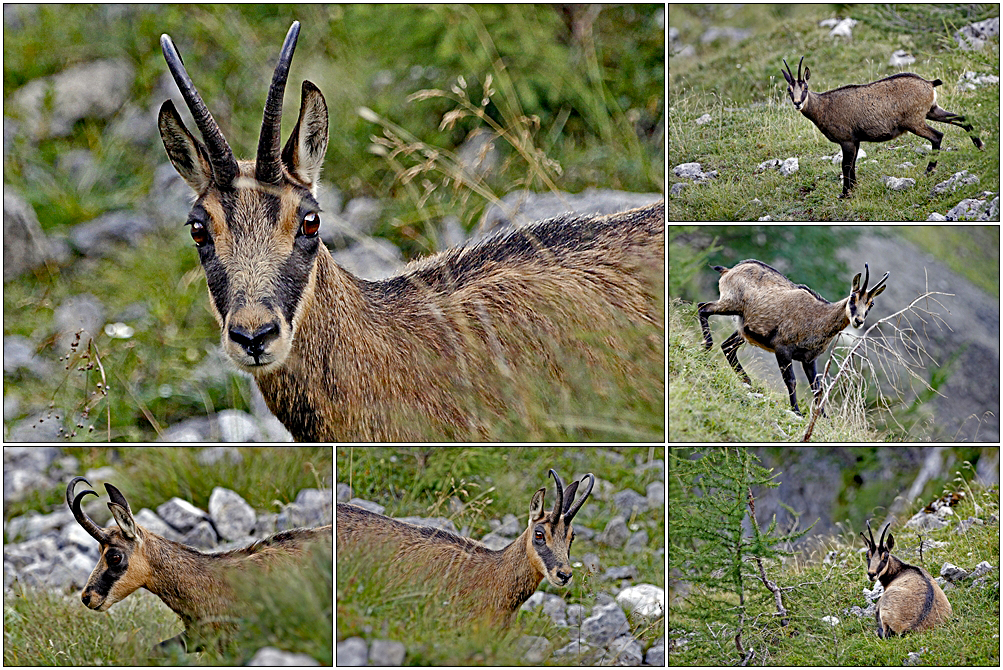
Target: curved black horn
[570, 514]
[85, 521]
[559, 501]
[867, 278]
[789, 69]
[799, 67]
[881, 543]
[224, 165]
[269, 165]
[871, 541]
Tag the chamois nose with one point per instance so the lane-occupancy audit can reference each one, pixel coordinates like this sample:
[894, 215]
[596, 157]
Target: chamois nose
[564, 576]
[255, 343]
[85, 597]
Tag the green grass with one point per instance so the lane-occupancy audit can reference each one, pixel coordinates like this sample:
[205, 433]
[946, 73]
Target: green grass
[753, 120]
[492, 482]
[830, 589]
[589, 119]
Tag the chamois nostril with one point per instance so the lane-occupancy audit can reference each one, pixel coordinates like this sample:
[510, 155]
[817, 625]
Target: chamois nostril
[256, 342]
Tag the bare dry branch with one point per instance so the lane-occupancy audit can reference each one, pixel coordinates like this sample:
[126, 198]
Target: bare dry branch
[900, 355]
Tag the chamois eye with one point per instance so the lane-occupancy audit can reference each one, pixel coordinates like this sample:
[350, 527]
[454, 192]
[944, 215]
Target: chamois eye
[310, 225]
[114, 558]
[538, 535]
[199, 232]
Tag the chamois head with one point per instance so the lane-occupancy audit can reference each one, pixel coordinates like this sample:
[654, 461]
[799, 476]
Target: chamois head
[797, 88]
[877, 554]
[550, 537]
[255, 223]
[121, 569]
[861, 299]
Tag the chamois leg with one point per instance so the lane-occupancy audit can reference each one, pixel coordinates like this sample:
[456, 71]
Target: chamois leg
[787, 372]
[730, 349]
[705, 309]
[849, 166]
[815, 379]
[938, 113]
[935, 137]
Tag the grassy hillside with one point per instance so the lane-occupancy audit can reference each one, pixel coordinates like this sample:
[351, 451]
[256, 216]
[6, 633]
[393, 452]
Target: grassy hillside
[739, 85]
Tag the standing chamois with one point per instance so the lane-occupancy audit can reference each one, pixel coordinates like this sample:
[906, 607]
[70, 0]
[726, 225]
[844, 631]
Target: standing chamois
[193, 584]
[875, 112]
[911, 600]
[785, 318]
[478, 582]
[340, 358]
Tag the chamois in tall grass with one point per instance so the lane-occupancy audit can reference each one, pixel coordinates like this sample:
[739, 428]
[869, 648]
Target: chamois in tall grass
[482, 583]
[875, 112]
[193, 584]
[340, 358]
[785, 318]
[912, 601]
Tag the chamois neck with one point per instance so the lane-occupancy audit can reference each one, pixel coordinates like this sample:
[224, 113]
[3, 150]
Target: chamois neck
[839, 314]
[186, 580]
[892, 570]
[524, 577]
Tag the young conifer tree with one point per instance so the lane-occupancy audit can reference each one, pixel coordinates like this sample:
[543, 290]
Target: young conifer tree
[712, 550]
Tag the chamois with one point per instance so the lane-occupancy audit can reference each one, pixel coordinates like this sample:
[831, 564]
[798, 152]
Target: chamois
[875, 112]
[481, 583]
[912, 601]
[340, 358]
[193, 584]
[785, 318]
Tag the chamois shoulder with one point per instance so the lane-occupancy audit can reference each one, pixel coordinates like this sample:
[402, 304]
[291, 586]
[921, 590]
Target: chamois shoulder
[772, 275]
[562, 241]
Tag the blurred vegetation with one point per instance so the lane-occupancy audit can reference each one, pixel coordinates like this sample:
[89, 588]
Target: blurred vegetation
[578, 91]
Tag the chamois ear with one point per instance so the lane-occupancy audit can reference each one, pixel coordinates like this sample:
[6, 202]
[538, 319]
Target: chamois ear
[536, 512]
[119, 507]
[807, 73]
[304, 152]
[890, 543]
[188, 155]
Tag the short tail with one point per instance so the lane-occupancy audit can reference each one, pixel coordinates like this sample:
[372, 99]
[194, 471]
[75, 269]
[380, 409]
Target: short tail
[720, 269]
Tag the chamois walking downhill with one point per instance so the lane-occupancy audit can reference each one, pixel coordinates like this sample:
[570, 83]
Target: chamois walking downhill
[875, 112]
[193, 584]
[912, 600]
[426, 352]
[788, 319]
[479, 583]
